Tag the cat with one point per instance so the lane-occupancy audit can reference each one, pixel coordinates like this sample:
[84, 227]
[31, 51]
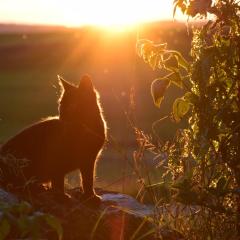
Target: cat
[73, 140]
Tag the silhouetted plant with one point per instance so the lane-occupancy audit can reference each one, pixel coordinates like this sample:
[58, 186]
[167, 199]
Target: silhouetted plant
[19, 220]
[203, 161]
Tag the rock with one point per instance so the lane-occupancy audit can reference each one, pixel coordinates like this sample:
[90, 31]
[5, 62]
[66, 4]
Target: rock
[119, 216]
[125, 202]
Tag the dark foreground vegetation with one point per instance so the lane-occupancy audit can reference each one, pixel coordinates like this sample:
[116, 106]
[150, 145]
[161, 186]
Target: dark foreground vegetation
[47, 215]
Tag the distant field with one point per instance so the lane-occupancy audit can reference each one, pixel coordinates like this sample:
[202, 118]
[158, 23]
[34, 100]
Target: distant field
[29, 63]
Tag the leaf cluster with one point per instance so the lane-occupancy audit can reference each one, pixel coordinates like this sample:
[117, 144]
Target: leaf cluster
[21, 221]
[203, 161]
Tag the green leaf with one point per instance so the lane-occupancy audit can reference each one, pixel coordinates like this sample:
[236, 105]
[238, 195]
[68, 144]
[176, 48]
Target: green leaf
[174, 7]
[181, 60]
[150, 52]
[179, 4]
[158, 88]
[140, 44]
[4, 229]
[153, 61]
[143, 47]
[24, 208]
[180, 108]
[161, 47]
[189, 97]
[171, 63]
[24, 223]
[175, 77]
[221, 184]
[54, 223]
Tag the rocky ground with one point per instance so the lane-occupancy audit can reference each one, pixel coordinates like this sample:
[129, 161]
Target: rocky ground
[118, 216]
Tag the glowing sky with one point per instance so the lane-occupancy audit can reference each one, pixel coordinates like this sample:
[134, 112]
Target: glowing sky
[81, 12]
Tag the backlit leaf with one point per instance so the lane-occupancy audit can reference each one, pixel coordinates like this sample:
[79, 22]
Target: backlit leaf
[4, 229]
[172, 63]
[153, 61]
[221, 184]
[161, 47]
[158, 89]
[142, 46]
[24, 208]
[54, 223]
[150, 52]
[181, 60]
[188, 96]
[180, 108]
[175, 78]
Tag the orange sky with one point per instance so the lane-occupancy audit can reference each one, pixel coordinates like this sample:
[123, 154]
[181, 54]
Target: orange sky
[82, 12]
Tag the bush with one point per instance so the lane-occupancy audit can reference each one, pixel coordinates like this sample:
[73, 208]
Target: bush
[19, 220]
[202, 173]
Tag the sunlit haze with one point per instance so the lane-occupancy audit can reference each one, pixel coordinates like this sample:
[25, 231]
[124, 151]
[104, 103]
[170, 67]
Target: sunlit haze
[84, 12]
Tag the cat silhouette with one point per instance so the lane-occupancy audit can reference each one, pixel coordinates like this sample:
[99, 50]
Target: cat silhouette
[56, 146]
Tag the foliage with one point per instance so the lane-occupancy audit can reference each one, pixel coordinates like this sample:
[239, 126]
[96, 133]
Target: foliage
[203, 161]
[21, 221]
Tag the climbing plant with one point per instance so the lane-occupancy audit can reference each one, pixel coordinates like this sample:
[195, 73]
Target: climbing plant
[203, 161]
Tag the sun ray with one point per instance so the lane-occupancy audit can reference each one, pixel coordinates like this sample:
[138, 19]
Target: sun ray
[104, 13]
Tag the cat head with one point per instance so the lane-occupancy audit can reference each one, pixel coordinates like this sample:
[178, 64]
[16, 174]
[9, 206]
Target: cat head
[77, 102]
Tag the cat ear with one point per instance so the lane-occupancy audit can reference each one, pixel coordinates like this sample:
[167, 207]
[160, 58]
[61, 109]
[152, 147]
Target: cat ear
[64, 84]
[85, 83]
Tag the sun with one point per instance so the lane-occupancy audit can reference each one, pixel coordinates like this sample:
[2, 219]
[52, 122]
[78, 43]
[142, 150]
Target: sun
[103, 13]
[116, 13]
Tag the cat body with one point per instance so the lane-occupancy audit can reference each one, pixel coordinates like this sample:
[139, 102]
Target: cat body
[57, 146]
